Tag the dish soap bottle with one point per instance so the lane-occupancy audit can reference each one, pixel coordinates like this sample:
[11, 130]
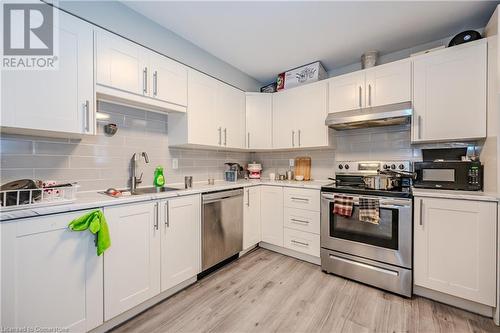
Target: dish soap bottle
[159, 179]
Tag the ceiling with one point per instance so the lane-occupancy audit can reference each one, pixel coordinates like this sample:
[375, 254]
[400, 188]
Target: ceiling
[263, 39]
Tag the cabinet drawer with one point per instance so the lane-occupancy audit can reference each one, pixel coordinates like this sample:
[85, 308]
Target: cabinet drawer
[302, 198]
[303, 220]
[301, 241]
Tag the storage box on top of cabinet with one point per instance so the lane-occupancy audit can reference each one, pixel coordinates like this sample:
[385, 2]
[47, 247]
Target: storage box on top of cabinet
[449, 93]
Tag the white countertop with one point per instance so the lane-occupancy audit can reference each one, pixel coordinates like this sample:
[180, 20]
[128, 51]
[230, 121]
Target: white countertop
[89, 200]
[451, 194]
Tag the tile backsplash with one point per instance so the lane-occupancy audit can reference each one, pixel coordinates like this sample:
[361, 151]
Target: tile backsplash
[102, 161]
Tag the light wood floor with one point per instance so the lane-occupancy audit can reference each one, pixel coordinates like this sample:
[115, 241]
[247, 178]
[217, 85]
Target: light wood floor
[268, 292]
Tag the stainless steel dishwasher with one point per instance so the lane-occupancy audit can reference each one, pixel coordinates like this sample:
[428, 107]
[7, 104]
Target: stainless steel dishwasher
[222, 226]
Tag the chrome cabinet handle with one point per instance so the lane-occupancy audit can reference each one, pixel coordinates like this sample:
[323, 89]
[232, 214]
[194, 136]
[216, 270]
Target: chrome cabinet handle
[220, 135]
[225, 136]
[300, 199]
[155, 83]
[167, 214]
[421, 222]
[157, 215]
[360, 91]
[299, 221]
[369, 95]
[145, 80]
[299, 243]
[87, 115]
[248, 140]
[299, 137]
[293, 138]
[248, 198]
[419, 126]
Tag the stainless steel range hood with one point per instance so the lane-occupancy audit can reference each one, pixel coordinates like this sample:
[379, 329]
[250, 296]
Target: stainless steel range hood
[385, 115]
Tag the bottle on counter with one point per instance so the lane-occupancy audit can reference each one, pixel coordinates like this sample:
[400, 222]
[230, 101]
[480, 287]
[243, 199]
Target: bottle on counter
[159, 179]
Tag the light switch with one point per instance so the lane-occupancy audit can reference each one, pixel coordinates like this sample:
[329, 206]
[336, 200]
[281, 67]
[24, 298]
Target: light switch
[175, 163]
[291, 162]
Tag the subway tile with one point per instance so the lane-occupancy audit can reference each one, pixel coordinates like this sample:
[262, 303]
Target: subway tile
[67, 175]
[7, 175]
[34, 161]
[16, 147]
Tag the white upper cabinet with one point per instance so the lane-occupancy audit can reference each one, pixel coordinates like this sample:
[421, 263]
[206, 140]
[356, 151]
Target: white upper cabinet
[215, 115]
[259, 117]
[251, 217]
[380, 85]
[120, 64]
[180, 240]
[128, 72]
[449, 93]
[169, 80]
[347, 92]
[59, 100]
[455, 248]
[299, 117]
[132, 263]
[230, 115]
[388, 84]
[51, 276]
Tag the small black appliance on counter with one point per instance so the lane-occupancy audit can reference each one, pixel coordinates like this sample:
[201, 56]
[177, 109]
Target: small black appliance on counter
[445, 169]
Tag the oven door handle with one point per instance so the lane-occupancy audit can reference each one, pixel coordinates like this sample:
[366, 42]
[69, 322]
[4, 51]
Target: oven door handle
[396, 204]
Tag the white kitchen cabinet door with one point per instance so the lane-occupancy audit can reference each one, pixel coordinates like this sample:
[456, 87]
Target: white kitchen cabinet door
[51, 276]
[121, 64]
[59, 100]
[455, 248]
[251, 217]
[347, 92]
[230, 115]
[259, 119]
[168, 80]
[132, 263]
[180, 240]
[203, 127]
[449, 93]
[271, 199]
[389, 83]
[310, 111]
[284, 119]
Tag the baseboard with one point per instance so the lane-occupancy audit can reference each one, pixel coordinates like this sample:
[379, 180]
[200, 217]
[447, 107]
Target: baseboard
[458, 302]
[122, 318]
[291, 253]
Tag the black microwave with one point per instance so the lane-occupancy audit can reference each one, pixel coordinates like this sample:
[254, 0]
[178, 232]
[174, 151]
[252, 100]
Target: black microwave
[449, 175]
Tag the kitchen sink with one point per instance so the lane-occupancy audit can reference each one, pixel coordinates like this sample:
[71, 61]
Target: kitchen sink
[149, 190]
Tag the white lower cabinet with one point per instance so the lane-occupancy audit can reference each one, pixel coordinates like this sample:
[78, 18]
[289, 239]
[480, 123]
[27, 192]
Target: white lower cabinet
[50, 276]
[180, 220]
[302, 220]
[301, 241]
[251, 217]
[272, 214]
[132, 263]
[455, 248]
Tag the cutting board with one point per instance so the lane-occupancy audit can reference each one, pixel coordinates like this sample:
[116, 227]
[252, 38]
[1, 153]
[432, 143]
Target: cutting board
[303, 167]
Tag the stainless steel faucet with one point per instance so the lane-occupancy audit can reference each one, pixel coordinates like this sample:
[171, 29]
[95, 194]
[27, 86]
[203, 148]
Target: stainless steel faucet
[134, 180]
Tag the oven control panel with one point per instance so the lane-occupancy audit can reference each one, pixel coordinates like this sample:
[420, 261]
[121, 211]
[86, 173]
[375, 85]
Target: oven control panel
[370, 167]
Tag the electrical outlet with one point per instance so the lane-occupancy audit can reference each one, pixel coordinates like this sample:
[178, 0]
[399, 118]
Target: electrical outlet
[291, 162]
[175, 163]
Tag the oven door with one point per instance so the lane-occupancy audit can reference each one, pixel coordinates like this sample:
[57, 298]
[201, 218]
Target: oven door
[390, 241]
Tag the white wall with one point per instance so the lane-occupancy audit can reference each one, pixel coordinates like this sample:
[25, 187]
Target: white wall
[121, 19]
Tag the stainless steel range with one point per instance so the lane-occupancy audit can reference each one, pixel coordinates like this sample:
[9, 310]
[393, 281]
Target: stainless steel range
[375, 254]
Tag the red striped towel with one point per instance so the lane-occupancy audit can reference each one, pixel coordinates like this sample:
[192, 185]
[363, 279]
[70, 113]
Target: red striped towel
[342, 205]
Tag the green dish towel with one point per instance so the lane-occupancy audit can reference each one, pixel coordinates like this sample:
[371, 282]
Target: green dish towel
[95, 222]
